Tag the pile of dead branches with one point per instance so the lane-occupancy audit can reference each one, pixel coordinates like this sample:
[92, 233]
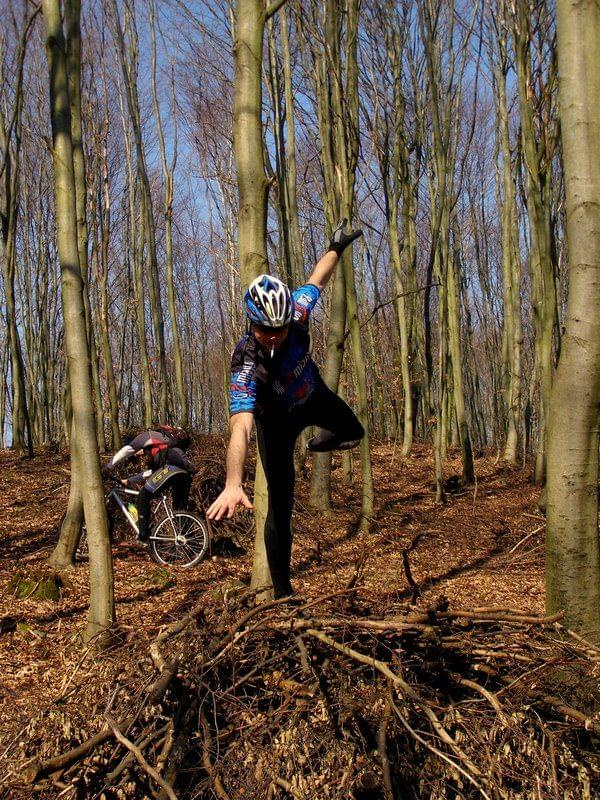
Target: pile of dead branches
[208, 452]
[327, 699]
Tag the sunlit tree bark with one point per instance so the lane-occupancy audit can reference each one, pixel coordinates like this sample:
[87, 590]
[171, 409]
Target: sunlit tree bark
[445, 87]
[248, 147]
[148, 225]
[511, 260]
[102, 610]
[573, 551]
[337, 98]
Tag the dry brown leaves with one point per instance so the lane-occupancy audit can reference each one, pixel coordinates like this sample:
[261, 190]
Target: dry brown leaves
[482, 548]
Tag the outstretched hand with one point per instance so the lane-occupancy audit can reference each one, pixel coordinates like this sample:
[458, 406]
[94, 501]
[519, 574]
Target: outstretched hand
[227, 502]
[340, 239]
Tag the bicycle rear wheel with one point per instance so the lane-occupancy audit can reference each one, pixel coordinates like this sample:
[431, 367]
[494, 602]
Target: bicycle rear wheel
[181, 539]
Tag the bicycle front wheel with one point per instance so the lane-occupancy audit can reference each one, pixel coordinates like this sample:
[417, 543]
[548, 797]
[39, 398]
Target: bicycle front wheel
[83, 548]
[181, 539]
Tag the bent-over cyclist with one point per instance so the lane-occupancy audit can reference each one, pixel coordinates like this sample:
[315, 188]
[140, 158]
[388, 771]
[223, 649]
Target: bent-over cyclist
[168, 467]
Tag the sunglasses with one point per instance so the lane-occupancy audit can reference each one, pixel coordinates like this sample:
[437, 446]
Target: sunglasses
[272, 332]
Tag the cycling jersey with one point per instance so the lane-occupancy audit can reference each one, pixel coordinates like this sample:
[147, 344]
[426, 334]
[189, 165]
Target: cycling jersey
[158, 450]
[260, 383]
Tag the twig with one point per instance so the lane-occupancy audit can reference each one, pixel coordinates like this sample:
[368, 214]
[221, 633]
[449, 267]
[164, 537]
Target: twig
[303, 653]
[25, 596]
[489, 696]
[150, 771]
[437, 752]
[406, 563]
[572, 713]
[389, 302]
[524, 539]
[210, 771]
[286, 786]
[167, 747]
[382, 748]
[142, 742]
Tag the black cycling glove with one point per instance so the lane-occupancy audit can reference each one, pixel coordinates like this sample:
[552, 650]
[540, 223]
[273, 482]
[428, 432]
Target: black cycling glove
[340, 240]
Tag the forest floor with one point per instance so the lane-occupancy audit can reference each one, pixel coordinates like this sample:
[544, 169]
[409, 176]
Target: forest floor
[484, 547]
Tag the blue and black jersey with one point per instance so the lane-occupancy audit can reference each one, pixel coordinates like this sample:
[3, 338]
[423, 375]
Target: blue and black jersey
[285, 381]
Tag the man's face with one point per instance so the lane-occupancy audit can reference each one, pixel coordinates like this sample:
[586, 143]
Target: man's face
[271, 339]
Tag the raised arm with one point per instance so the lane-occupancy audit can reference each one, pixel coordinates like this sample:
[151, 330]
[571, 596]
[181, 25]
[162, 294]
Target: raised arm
[233, 494]
[338, 243]
[134, 447]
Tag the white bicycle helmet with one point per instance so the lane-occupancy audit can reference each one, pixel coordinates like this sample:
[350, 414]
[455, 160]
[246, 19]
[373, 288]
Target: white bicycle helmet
[268, 302]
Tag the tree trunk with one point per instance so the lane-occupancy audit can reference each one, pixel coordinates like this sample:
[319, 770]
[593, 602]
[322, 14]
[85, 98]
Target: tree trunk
[104, 217]
[340, 153]
[129, 69]
[511, 265]
[542, 264]
[573, 552]
[252, 219]
[183, 417]
[63, 555]
[8, 218]
[102, 610]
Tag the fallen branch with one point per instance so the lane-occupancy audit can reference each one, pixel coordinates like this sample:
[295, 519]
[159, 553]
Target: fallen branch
[36, 769]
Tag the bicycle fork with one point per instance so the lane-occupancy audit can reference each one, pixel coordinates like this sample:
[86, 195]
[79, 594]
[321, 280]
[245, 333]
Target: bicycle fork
[170, 517]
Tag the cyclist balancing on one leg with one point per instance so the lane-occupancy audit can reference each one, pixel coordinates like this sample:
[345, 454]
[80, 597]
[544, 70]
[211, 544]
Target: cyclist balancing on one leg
[168, 468]
[275, 383]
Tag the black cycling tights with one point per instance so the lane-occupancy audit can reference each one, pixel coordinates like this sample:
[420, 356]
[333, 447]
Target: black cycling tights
[179, 484]
[277, 434]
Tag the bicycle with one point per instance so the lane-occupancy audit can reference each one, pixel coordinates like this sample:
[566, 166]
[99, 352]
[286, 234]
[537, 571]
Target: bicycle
[176, 538]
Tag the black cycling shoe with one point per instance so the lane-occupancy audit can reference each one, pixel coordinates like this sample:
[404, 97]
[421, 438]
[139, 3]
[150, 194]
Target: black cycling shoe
[326, 442]
[283, 592]
[293, 600]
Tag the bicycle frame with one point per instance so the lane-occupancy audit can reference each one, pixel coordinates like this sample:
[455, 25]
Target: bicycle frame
[118, 492]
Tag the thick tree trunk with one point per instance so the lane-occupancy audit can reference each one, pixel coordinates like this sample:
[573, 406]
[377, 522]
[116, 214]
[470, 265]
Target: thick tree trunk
[573, 552]
[102, 610]
[253, 189]
[326, 64]
[290, 157]
[134, 246]
[338, 124]
[63, 555]
[72, 10]
[445, 97]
